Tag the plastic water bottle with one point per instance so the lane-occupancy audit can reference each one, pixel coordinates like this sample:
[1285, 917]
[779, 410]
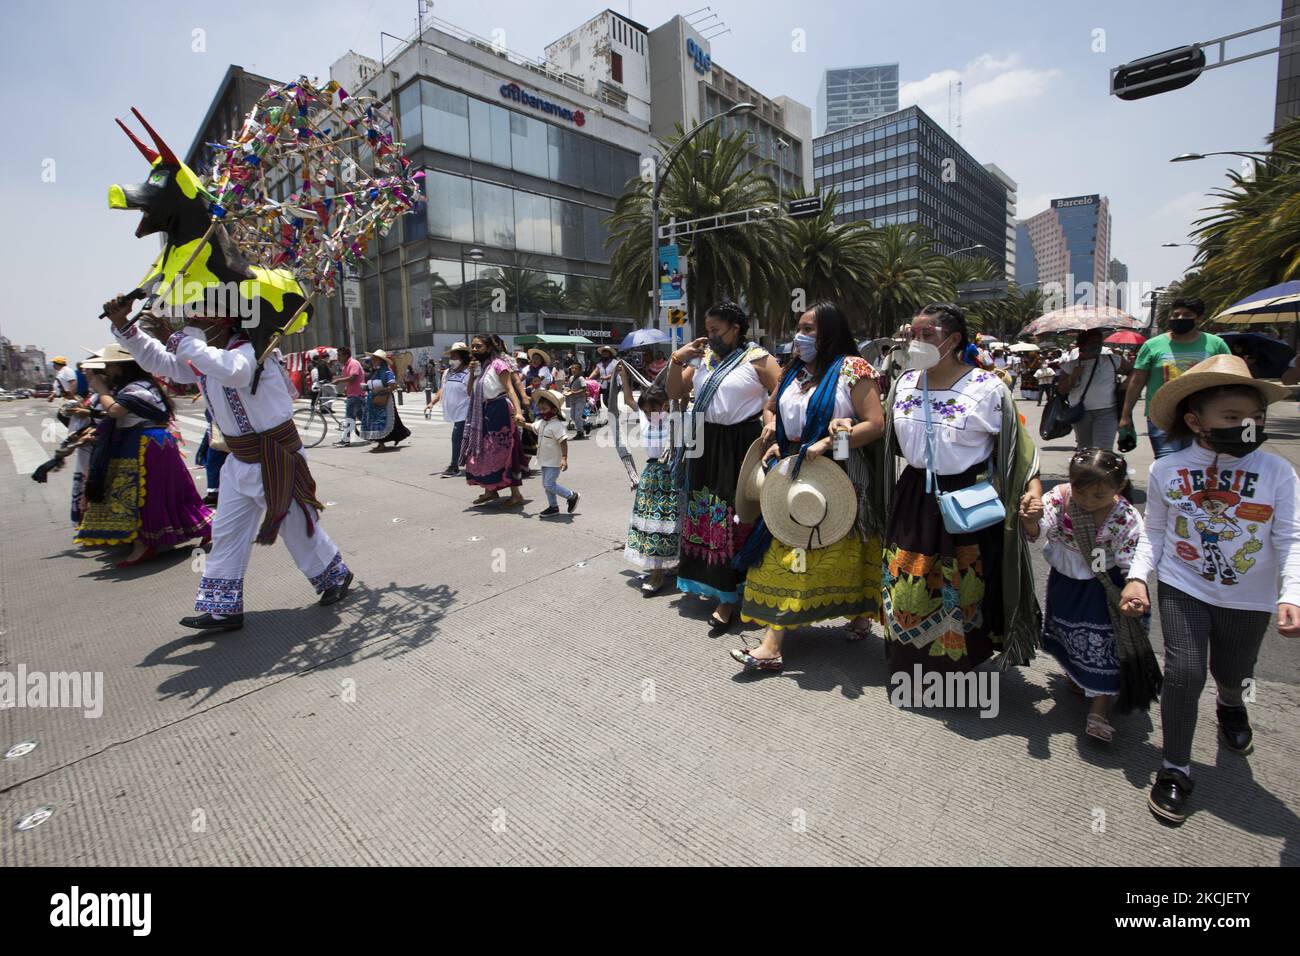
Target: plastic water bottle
[841, 446]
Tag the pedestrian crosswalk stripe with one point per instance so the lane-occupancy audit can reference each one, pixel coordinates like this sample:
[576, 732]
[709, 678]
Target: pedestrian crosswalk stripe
[28, 455]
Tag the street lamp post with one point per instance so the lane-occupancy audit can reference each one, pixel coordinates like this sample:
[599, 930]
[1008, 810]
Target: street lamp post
[1190, 157]
[476, 254]
[660, 177]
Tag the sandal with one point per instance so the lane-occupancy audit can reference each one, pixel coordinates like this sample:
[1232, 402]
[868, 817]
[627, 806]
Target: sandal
[753, 663]
[718, 626]
[485, 498]
[1099, 728]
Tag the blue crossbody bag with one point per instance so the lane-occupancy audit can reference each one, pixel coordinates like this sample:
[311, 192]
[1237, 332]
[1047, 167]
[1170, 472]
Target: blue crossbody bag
[965, 510]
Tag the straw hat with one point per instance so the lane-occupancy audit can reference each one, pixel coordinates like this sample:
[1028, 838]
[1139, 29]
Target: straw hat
[379, 354]
[1215, 370]
[457, 347]
[606, 348]
[749, 482]
[108, 355]
[552, 397]
[546, 359]
[812, 511]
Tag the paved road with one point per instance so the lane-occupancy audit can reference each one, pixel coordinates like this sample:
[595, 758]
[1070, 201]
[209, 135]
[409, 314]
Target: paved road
[497, 690]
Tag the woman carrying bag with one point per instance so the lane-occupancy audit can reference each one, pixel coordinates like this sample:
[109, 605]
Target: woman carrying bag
[958, 584]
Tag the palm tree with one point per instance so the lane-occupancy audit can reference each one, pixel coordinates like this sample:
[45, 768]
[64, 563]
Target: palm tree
[1252, 238]
[826, 261]
[904, 273]
[706, 179]
[592, 296]
[980, 316]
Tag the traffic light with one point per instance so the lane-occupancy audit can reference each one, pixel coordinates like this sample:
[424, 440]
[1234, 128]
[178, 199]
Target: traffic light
[1160, 73]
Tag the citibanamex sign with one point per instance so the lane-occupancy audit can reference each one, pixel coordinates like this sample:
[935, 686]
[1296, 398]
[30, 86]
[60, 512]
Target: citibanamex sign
[512, 91]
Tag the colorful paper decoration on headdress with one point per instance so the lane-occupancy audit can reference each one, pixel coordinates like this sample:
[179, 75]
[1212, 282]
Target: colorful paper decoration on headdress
[346, 180]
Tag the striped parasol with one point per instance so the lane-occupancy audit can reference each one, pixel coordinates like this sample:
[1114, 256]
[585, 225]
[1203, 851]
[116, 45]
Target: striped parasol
[1081, 318]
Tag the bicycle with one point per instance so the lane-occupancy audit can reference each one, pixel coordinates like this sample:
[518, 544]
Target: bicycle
[314, 421]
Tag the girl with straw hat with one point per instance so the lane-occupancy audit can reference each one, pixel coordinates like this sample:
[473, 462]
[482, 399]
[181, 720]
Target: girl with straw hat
[1223, 539]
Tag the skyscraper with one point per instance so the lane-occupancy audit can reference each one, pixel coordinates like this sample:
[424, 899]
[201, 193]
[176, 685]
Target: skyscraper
[1065, 246]
[1119, 276]
[1288, 68]
[904, 168]
[856, 93]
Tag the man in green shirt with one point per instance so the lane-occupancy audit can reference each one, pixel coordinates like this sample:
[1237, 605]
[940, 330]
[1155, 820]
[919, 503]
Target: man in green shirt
[1162, 359]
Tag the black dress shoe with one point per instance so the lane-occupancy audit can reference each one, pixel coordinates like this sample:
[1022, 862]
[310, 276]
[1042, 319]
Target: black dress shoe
[210, 499]
[1234, 729]
[335, 593]
[1168, 797]
[573, 502]
[206, 622]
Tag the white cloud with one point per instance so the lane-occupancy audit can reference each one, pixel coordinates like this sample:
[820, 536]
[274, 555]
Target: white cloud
[988, 83]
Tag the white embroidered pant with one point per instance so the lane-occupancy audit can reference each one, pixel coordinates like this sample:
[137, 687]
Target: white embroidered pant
[240, 509]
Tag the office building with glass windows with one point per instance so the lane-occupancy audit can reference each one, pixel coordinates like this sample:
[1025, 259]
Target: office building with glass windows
[521, 166]
[854, 94]
[904, 168]
[669, 76]
[1065, 251]
[524, 159]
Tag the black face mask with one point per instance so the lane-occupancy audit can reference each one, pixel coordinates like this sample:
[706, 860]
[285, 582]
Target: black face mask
[1181, 326]
[719, 345]
[1229, 441]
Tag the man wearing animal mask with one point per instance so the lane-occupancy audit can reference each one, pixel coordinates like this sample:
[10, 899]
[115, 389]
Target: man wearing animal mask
[213, 316]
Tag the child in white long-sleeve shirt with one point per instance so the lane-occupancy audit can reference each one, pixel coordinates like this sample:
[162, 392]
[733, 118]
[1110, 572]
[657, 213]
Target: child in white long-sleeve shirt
[1221, 530]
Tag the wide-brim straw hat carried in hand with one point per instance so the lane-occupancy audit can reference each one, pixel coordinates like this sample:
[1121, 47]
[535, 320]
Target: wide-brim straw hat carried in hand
[1214, 371]
[814, 510]
[749, 482]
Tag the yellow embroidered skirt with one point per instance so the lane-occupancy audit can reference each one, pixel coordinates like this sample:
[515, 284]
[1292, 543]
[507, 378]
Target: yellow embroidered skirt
[842, 581]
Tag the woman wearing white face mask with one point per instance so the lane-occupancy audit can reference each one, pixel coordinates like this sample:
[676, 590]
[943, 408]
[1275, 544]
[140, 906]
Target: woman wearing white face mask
[456, 397]
[829, 389]
[952, 600]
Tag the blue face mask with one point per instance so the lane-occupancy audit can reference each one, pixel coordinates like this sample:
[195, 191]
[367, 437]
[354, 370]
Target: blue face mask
[805, 346]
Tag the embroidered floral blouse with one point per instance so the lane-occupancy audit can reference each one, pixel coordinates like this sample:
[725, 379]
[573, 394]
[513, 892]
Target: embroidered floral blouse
[1117, 536]
[967, 418]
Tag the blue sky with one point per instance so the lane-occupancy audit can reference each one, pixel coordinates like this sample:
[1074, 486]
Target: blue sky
[1035, 102]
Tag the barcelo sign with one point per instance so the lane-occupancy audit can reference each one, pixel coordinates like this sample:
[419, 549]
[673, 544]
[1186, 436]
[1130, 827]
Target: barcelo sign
[512, 91]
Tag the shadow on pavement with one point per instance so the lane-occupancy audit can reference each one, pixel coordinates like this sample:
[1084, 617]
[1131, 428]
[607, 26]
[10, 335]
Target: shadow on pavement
[372, 621]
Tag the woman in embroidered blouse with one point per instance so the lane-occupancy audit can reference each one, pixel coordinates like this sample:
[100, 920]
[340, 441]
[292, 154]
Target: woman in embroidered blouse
[138, 489]
[946, 603]
[732, 384]
[789, 587]
[491, 452]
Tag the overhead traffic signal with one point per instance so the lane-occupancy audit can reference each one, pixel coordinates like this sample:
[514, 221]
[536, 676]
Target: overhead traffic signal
[1159, 73]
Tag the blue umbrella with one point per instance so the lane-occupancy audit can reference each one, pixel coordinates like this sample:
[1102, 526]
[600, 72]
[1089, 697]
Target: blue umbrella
[643, 337]
[1267, 357]
[1277, 303]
